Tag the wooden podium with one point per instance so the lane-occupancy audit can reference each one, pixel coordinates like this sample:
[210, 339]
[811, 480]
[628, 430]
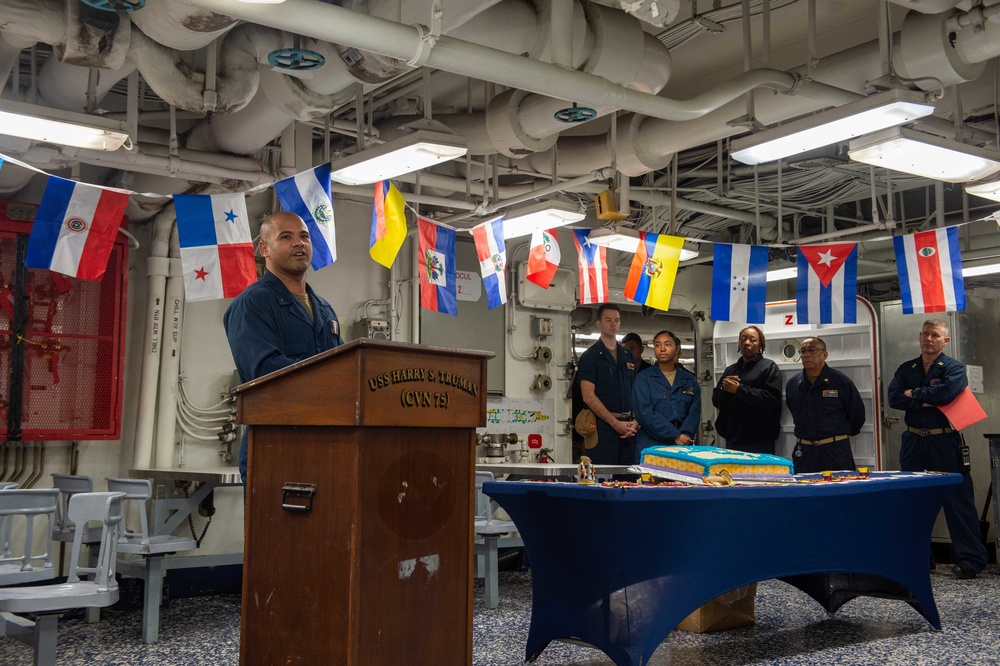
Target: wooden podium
[358, 533]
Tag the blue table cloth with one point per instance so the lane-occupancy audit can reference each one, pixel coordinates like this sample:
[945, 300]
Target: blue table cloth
[619, 568]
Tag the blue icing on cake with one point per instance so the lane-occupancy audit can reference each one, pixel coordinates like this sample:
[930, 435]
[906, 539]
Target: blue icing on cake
[700, 461]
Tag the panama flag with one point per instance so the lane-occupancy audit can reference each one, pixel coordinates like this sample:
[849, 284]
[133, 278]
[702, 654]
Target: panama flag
[437, 267]
[492, 254]
[827, 284]
[930, 271]
[75, 228]
[308, 195]
[654, 268]
[739, 283]
[216, 247]
[388, 223]
[592, 264]
[543, 258]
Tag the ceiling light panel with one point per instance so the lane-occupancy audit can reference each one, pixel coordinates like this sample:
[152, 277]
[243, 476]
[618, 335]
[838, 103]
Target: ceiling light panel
[922, 154]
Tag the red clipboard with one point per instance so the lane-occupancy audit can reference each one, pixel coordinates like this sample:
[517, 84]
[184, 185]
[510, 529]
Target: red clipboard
[964, 410]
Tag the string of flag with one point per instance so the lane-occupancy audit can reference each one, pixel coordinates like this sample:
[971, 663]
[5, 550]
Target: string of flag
[76, 224]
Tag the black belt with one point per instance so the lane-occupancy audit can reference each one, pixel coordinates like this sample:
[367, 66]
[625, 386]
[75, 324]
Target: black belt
[622, 416]
[927, 432]
[820, 442]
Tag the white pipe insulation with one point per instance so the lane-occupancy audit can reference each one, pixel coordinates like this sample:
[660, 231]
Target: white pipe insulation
[157, 270]
[181, 26]
[170, 359]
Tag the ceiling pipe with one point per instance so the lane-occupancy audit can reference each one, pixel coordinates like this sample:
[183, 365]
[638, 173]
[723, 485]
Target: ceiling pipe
[180, 26]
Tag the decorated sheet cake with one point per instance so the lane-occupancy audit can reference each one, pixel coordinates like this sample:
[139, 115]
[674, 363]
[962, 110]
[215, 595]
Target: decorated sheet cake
[694, 463]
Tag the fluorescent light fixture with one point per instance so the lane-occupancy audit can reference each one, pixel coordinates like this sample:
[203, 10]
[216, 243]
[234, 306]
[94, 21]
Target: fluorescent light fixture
[412, 152]
[922, 154]
[870, 114]
[627, 240]
[540, 215]
[782, 274]
[65, 128]
[973, 271]
[988, 190]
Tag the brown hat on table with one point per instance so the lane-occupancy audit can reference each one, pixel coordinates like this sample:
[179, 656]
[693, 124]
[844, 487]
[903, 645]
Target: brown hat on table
[586, 426]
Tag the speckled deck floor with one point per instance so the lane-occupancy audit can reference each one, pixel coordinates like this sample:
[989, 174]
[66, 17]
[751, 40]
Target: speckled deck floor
[790, 629]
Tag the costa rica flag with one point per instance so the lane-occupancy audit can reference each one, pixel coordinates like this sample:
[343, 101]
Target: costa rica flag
[930, 271]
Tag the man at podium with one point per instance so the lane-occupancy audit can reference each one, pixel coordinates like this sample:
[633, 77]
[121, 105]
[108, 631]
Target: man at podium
[279, 320]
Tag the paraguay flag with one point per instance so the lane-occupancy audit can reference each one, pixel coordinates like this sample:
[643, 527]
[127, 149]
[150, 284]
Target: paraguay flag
[75, 228]
[827, 284]
[437, 267]
[930, 271]
[739, 283]
[592, 265]
[216, 247]
[654, 268]
[388, 223]
[492, 253]
[308, 195]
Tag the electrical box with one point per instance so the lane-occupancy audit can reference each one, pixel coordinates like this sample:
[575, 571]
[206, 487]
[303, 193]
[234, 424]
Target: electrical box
[541, 327]
[376, 329]
[606, 207]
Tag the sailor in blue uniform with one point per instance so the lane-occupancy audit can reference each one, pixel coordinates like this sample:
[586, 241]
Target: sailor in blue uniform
[279, 320]
[930, 443]
[827, 411]
[606, 373]
[666, 398]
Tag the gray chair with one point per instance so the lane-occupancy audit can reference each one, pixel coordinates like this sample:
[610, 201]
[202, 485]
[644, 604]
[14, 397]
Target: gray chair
[69, 485]
[22, 509]
[151, 550]
[47, 602]
[489, 531]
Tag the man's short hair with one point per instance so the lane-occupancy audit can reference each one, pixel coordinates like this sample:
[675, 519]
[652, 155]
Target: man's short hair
[607, 306]
[817, 339]
[632, 337]
[938, 323]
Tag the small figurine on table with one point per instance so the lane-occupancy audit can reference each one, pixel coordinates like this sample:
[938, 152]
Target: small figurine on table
[585, 471]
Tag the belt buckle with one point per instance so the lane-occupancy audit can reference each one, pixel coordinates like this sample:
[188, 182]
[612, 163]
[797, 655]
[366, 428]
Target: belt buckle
[924, 432]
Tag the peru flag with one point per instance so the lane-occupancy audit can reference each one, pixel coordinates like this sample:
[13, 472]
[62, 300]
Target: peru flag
[438, 288]
[544, 257]
[930, 271]
[827, 284]
[75, 228]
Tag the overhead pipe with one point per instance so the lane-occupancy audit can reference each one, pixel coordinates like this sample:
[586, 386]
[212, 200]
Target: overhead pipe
[180, 26]
[170, 359]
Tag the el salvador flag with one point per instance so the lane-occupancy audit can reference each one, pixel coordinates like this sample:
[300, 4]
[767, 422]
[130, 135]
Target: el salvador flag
[308, 195]
[75, 228]
[739, 283]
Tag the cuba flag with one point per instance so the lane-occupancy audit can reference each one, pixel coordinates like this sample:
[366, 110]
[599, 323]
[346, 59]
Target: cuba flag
[75, 228]
[437, 268]
[739, 283]
[827, 287]
[307, 194]
[930, 271]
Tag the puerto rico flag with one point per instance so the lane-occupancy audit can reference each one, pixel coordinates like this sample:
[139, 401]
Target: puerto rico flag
[543, 258]
[307, 194]
[739, 283]
[592, 264]
[827, 284]
[492, 254]
[216, 247]
[930, 271]
[654, 269]
[75, 228]
[437, 267]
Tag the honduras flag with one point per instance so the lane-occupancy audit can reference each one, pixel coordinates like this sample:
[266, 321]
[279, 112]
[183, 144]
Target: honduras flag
[437, 268]
[739, 283]
[308, 195]
[75, 228]
[827, 287]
